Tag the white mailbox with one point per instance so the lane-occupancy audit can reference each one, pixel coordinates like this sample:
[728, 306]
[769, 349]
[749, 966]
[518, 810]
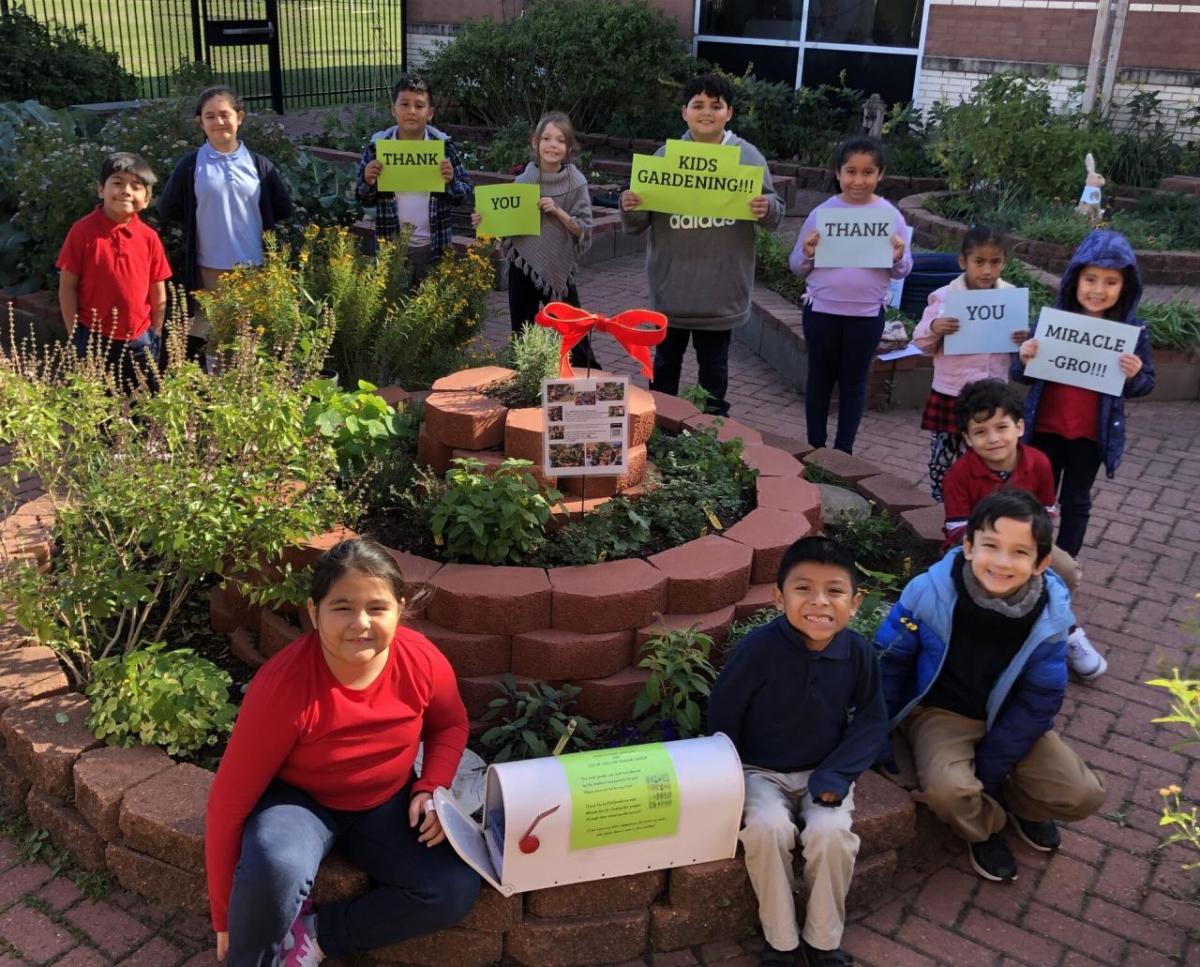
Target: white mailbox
[593, 815]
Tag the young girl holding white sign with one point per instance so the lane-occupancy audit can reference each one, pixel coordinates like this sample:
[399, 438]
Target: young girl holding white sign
[542, 268]
[844, 307]
[982, 259]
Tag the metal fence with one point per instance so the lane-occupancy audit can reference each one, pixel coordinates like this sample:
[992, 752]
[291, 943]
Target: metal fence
[294, 53]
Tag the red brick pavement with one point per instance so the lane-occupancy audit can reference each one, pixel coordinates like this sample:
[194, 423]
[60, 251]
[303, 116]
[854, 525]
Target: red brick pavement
[1109, 897]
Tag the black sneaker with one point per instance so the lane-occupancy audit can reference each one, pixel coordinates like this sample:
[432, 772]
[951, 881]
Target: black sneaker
[770, 957]
[993, 860]
[1042, 835]
[826, 958]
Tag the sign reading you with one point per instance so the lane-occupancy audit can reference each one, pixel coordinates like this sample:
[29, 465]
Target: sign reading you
[703, 180]
[854, 238]
[1081, 351]
[411, 165]
[987, 318]
[508, 210]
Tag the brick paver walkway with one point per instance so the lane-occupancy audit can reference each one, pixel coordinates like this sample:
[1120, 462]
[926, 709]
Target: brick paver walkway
[1110, 897]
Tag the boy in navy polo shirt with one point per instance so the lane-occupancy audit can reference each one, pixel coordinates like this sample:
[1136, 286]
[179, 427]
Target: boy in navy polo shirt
[112, 283]
[801, 700]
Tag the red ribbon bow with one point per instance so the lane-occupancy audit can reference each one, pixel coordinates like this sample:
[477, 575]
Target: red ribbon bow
[626, 327]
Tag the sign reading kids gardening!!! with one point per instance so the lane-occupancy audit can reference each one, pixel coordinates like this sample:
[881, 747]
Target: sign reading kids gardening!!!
[703, 180]
[411, 165]
[1081, 351]
[621, 795]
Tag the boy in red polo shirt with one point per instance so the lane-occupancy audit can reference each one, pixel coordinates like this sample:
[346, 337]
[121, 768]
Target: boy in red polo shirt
[990, 417]
[112, 283]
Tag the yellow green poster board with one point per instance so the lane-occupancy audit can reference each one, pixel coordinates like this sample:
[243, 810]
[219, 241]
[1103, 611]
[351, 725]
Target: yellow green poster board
[691, 178]
[507, 210]
[621, 795]
[411, 165]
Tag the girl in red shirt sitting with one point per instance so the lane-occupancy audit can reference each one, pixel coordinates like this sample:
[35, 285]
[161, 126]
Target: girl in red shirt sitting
[322, 756]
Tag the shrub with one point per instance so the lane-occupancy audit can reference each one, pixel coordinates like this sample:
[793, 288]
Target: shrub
[496, 518]
[57, 65]
[1185, 711]
[535, 353]
[1172, 325]
[603, 63]
[174, 699]
[771, 266]
[534, 722]
[360, 425]
[681, 678]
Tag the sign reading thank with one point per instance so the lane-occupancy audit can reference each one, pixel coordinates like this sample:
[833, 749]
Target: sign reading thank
[702, 180]
[1081, 351]
[508, 210]
[411, 165]
[858, 238]
[986, 318]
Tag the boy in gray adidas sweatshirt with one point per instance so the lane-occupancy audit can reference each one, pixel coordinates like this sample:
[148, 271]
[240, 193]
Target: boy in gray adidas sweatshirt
[701, 269]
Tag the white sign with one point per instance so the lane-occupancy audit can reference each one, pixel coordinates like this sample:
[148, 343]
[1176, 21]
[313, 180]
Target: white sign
[586, 426]
[986, 318]
[859, 238]
[1081, 351]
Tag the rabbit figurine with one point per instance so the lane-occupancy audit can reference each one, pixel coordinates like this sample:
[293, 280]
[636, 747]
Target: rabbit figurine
[1089, 201]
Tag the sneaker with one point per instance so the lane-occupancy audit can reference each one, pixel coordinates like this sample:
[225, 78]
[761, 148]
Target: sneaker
[770, 957]
[815, 957]
[1042, 835]
[299, 947]
[993, 860]
[1083, 658]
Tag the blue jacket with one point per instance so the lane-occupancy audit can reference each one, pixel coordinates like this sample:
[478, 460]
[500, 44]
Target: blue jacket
[1110, 250]
[1025, 698]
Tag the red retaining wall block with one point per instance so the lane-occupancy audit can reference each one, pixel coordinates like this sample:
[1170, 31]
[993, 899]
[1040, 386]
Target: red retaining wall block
[393, 396]
[493, 912]
[103, 776]
[469, 654]
[705, 574]
[771, 462]
[707, 902]
[43, 748]
[599, 896]
[478, 691]
[433, 453]
[610, 699]
[885, 816]
[467, 420]
[842, 464]
[463, 948]
[14, 787]
[473, 380]
[715, 624]
[29, 673]
[758, 597]
[229, 609]
[417, 571]
[768, 533]
[555, 655]
[894, 494]
[163, 817]
[671, 412]
[523, 434]
[67, 828]
[306, 552]
[338, 880]
[490, 600]
[926, 523]
[608, 486]
[610, 596]
[642, 415]
[791, 493]
[728, 430]
[601, 939]
[174, 887]
[274, 633]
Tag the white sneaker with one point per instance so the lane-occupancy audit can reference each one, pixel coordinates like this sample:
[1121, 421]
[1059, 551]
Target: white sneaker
[1083, 658]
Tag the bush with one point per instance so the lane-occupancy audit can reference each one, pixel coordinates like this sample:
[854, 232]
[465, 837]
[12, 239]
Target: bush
[606, 64]
[174, 699]
[1172, 325]
[360, 425]
[56, 65]
[535, 353]
[681, 678]
[771, 266]
[534, 723]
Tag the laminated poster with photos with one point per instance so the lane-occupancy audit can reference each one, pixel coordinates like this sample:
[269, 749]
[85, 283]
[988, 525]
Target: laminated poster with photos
[586, 426]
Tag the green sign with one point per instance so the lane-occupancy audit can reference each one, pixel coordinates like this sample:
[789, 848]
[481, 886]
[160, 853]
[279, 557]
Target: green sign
[621, 795]
[508, 210]
[411, 165]
[691, 178]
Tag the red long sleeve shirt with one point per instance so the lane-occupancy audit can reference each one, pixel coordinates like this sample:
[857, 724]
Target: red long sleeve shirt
[349, 749]
[969, 480]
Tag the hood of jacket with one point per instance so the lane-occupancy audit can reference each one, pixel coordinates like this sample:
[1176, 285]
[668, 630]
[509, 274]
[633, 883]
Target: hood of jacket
[389, 134]
[1109, 250]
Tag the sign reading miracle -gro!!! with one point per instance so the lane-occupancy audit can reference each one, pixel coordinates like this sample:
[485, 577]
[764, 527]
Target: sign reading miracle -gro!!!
[411, 165]
[1081, 351]
[691, 178]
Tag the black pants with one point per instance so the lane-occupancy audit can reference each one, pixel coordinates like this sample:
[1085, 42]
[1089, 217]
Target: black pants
[1075, 464]
[840, 352]
[712, 360]
[524, 301]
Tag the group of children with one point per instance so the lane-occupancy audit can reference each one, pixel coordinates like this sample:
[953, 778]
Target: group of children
[970, 666]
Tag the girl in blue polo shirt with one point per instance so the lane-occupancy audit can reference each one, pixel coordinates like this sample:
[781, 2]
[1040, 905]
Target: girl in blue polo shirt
[226, 196]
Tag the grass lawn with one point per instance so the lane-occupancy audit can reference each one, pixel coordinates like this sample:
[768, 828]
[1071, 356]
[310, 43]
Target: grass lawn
[332, 50]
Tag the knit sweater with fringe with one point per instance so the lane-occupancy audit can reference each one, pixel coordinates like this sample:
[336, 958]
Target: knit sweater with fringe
[552, 258]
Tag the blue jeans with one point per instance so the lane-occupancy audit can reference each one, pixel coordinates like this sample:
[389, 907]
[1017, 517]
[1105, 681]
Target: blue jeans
[125, 359]
[840, 352]
[417, 890]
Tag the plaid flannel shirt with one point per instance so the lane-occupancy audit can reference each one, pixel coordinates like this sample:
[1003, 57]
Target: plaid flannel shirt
[459, 191]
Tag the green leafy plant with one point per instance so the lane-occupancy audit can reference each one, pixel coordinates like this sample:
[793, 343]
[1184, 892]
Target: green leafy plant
[510, 146]
[771, 266]
[495, 518]
[681, 678]
[360, 425]
[743, 626]
[174, 699]
[1172, 325]
[533, 722]
[1183, 819]
[872, 540]
[697, 395]
[534, 351]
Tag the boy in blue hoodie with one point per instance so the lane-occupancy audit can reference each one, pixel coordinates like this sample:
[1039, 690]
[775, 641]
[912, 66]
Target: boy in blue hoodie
[426, 213]
[974, 671]
[800, 699]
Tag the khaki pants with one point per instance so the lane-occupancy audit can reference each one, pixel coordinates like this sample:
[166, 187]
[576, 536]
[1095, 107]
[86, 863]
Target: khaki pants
[769, 835]
[1062, 564]
[1051, 782]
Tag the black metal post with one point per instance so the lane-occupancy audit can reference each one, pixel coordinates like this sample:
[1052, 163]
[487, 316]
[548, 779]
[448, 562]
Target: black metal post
[197, 33]
[274, 62]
